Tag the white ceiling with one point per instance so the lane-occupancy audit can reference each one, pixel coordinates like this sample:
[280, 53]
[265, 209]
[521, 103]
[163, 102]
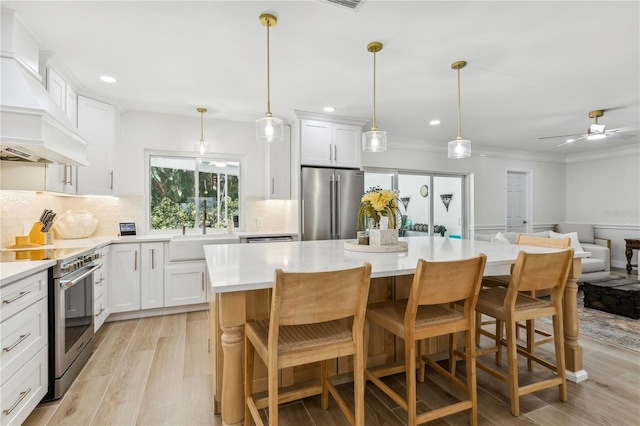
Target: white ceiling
[534, 68]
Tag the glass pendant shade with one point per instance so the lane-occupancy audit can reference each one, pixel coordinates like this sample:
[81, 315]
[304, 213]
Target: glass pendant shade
[374, 141]
[202, 147]
[269, 129]
[459, 148]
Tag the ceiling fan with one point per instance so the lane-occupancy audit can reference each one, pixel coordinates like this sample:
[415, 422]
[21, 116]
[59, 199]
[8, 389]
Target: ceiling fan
[594, 132]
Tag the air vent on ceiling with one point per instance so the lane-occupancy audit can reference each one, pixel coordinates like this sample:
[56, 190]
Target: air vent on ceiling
[350, 4]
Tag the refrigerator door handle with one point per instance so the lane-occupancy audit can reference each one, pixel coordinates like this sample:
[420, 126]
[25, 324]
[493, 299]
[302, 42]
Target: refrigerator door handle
[332, 207]
[338, 207]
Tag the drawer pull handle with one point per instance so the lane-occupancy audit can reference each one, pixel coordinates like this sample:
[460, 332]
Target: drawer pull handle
[101, 311]
[15, 404]
[20, 340]
[13, 299]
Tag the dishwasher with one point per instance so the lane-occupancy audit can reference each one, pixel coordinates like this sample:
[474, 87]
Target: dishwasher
[274, 239]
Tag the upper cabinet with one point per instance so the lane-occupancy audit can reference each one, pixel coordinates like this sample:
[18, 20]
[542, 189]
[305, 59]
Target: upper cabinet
[97, 123]
[330, 141]
[278, 168]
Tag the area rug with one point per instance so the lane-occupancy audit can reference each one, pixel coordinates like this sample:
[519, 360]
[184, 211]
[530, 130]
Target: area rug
[611, 328]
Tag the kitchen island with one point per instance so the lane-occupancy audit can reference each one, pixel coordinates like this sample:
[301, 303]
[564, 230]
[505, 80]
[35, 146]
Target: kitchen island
[242, 275]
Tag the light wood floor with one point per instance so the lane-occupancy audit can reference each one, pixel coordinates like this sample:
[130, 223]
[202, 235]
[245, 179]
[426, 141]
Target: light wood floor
[155, 371]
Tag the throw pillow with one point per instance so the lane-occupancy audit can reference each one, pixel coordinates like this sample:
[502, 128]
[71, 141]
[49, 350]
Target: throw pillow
[500, 238]
[573, 236]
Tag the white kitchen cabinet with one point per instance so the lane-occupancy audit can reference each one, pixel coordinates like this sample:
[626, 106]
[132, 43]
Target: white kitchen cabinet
[136, 279]
[57, 88]
[278, 168]
[101, 289]
[324, 143]
[72, 105]
[24, 342]
[152, 275]
[61, 178]
[97, 123]
[185, 283]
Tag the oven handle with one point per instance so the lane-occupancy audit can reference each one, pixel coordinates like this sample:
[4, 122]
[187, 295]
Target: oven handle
[71, 283]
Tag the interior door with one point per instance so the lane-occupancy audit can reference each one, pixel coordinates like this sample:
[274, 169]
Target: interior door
[517, 201]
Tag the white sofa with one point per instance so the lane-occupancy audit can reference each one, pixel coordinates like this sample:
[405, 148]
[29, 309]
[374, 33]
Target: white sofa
[595, 267]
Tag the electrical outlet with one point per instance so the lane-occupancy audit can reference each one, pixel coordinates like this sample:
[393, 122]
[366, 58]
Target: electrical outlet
[259, 221]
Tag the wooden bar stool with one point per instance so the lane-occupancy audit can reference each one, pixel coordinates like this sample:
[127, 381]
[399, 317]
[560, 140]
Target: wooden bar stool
[431, 311]
[314, 317]
[532, 272]
[503, 281]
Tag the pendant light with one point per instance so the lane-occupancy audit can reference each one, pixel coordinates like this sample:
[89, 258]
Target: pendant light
[269, 128]
[459, 148]
[202, 147]
[374, 140]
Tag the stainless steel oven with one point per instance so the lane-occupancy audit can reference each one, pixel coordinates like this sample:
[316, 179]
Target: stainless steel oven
[70, 298]
[71, 319]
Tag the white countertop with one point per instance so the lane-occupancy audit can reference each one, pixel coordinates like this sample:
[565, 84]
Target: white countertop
[14, 271]
[240, 267]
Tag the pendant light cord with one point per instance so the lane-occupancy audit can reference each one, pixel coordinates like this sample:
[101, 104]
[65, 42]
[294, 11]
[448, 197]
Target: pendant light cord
[459, 120]
[201, 127]
[374, 127]
[268, 74]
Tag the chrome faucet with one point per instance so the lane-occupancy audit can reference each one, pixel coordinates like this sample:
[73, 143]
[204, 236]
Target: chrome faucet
[204, 217]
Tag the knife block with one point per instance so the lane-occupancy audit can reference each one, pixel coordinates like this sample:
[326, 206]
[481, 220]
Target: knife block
[36, 236]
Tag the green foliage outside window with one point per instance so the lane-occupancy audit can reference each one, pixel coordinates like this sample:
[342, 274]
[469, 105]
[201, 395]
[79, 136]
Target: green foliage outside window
[173, 188]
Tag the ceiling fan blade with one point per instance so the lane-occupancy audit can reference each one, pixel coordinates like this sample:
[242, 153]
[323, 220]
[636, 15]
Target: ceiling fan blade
[573, 141]
[563, 136]
[622, 129]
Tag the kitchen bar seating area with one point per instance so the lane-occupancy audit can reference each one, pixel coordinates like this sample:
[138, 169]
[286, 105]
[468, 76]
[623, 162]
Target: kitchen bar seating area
[241, 294]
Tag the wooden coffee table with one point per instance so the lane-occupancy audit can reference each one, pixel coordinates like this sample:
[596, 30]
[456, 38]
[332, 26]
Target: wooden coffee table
[628, 251]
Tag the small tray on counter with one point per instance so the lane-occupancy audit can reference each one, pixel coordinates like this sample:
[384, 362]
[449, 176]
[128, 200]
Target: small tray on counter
[390, 248]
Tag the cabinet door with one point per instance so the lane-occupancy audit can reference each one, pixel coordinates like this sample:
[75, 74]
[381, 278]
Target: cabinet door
[96, 122]
[347, 141]
[315, 143]
[56, 86]
[152, 275]
[124, 274]
[61, 178]
[71, 105]
[278, 182]
[185, 284]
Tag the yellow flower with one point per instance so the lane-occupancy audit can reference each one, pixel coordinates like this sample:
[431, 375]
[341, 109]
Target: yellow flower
[378, 202]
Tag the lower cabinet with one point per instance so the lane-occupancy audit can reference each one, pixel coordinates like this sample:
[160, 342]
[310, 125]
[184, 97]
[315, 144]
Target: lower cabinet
[24, 342]
[136, 279]
[101, 289]
[185, 283]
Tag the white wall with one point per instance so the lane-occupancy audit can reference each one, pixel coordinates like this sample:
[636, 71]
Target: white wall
[143, 130]
[490, 180]
[605, 191]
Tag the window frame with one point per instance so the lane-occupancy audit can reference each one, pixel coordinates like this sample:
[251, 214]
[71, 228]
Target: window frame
[240, 159]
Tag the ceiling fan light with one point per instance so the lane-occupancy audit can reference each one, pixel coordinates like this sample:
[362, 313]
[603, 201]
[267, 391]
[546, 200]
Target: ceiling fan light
[269, 129]
[374, 141]
[459, 148]
[597, 128]
[596, 136]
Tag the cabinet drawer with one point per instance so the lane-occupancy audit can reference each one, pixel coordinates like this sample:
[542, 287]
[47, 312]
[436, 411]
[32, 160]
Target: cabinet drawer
[23, 335]
[98, 286]
[100, 311]
[20, 294]
[22, 393]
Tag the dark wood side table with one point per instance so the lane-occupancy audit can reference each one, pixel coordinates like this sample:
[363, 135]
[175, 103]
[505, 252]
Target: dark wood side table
[628, 251]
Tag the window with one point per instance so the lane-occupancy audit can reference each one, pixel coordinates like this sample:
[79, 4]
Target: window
[184, 190]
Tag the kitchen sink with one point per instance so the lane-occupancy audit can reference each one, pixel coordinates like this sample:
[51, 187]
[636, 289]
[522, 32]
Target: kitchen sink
[189, 247]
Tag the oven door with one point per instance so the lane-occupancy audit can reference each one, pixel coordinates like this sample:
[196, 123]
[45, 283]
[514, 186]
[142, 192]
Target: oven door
[73, 316]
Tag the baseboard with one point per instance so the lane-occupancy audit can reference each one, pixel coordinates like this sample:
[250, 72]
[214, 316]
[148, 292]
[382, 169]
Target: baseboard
[144, 313]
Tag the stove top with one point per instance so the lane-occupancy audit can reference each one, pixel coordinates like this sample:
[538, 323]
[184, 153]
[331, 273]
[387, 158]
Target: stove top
[22, 255]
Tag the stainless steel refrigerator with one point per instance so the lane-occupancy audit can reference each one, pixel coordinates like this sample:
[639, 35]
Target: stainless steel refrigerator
[330, 199]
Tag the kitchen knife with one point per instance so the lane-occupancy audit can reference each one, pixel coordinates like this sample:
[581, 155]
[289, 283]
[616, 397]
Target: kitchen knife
[44, 215]
[49, 222]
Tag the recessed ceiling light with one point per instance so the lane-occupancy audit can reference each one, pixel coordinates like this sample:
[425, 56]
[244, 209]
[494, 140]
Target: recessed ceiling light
[329, 109]
[434, 122]
[108, 79]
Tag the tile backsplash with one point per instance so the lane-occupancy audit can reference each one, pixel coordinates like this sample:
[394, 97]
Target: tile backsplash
[20, 209]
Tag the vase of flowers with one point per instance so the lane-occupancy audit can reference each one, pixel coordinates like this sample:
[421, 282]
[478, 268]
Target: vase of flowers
[377, 203]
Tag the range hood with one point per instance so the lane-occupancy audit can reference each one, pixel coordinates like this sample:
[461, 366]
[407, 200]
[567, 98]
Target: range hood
[32, 126]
